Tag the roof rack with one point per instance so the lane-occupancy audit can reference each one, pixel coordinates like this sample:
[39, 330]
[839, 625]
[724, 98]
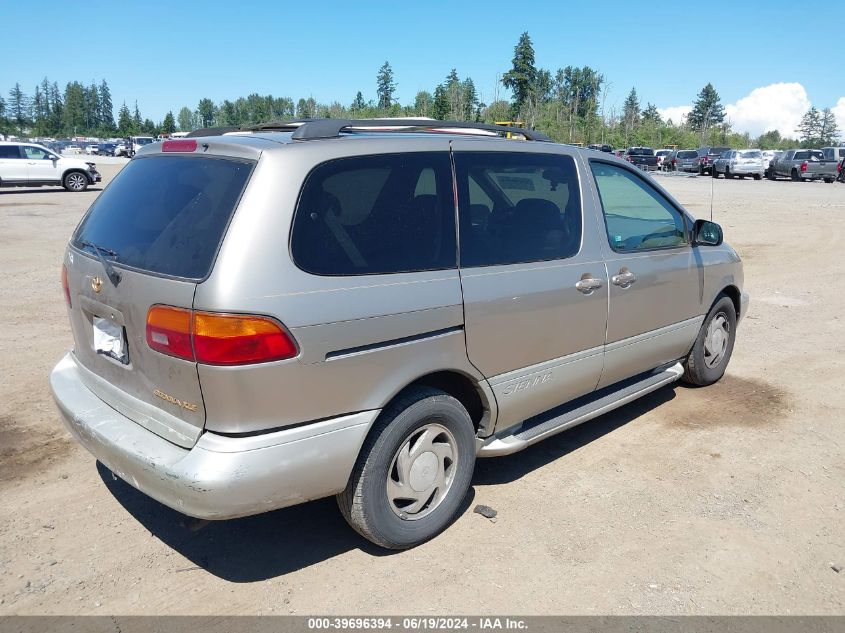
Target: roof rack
[310, 129]
[331, 128]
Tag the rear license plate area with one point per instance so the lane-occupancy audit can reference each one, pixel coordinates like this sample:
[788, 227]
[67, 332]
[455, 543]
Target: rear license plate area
[110, 339]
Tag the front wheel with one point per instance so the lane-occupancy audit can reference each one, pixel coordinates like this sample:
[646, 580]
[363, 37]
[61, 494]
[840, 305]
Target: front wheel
[75, 181]
[413, 471]
[711, 352]
[758, 176]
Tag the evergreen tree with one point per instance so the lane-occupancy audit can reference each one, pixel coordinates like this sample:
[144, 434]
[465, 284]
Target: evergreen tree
[385, 86]
[809, 130]
[37, 112]
[454, 95]
[207, 110]
[651, 115]
[57, 109]
[440, 106]
[92, 107]
[523, 74]
[137, 122]
[470, 100]
[148, 127]
[359, 103]
[18, 107]
[707, 111]
[106, 113]
[185, 119]
[631, 109]
[73, 117]
[423, 103]
[828, 129]
[168, 126]
[124, 121]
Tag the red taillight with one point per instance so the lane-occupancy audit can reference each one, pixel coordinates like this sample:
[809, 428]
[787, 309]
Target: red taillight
[169, 331]
[674, 162]
[179, 145]
[803, 167]
[839, 168]
[217, 339]
[221, 339]
[66, 287]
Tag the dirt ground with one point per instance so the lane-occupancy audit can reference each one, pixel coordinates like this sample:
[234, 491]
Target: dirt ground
[723, 500]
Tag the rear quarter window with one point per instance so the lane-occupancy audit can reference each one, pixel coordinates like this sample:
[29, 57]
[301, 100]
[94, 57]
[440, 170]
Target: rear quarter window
[382, 214]
[166, 214]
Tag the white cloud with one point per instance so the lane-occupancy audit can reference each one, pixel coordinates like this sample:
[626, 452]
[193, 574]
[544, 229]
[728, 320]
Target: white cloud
[839, 113]
[677, 114]
[774, 107]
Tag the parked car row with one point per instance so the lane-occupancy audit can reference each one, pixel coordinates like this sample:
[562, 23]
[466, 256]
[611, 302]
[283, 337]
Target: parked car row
[796, 164]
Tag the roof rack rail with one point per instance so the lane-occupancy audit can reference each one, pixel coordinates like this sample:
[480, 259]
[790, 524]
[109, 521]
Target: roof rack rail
[310, 129]
[212, 131]
[291, 124]
[331, 128]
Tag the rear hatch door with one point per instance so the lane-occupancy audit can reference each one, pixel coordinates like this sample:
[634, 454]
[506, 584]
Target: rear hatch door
[157, 229]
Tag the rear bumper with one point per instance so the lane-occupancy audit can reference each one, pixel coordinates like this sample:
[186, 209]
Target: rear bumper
[220, 477]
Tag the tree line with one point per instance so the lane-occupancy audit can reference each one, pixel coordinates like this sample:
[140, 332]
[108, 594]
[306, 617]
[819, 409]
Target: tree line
[569, 104]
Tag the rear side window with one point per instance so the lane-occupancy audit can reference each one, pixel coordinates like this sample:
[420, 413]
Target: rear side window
[9, 151]
[517, 207]
[636, 215]
[366, 215]
[166, 214]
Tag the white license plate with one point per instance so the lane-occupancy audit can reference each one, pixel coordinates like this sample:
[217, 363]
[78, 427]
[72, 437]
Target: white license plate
[110, 340]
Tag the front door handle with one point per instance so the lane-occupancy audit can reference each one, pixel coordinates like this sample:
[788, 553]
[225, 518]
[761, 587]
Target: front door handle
[624, 279]
[588, 284]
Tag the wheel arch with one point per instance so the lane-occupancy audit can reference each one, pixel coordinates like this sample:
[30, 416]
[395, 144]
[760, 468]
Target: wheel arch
[79, 170]
[478, 401]
[734, 294]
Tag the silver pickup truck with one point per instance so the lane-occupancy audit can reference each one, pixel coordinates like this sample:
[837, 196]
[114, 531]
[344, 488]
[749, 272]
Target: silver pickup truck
[803, 164]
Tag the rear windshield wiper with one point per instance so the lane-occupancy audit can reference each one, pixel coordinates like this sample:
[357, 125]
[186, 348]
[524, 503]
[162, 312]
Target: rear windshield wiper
[112, 274]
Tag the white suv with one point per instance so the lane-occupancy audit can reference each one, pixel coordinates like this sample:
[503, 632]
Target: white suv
[32, 165]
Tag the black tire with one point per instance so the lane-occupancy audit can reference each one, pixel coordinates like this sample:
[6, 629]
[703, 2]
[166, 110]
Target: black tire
[701, 171]
[75, 181]
[758, 176]
[728, 174]
[715, 173]
[365, 504]
[697, 370]
[794, 175]
[828, 180]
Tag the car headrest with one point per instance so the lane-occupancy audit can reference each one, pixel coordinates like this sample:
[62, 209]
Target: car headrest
[537, 211]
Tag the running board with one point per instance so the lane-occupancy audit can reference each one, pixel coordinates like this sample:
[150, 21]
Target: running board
[580, 410]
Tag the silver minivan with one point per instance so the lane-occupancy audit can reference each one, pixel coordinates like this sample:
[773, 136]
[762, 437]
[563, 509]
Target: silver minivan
[362, 308]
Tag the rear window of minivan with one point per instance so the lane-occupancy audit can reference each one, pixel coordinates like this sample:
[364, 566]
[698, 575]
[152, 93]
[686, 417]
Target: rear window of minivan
[166, 214]
[688, 154]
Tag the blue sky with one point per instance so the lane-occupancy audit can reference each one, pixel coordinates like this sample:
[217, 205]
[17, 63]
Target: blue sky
[170, 54]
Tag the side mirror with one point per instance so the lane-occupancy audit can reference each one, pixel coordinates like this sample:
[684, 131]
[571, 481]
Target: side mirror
[706, 233]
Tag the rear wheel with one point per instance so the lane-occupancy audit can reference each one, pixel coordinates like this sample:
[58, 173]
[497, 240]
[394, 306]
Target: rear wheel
[758, 176]
[794, 175]
[413, 471]
[75, 181]
[828, 180]
[709, 357]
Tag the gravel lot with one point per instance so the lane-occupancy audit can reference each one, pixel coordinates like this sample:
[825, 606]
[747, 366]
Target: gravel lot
[723, 500]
